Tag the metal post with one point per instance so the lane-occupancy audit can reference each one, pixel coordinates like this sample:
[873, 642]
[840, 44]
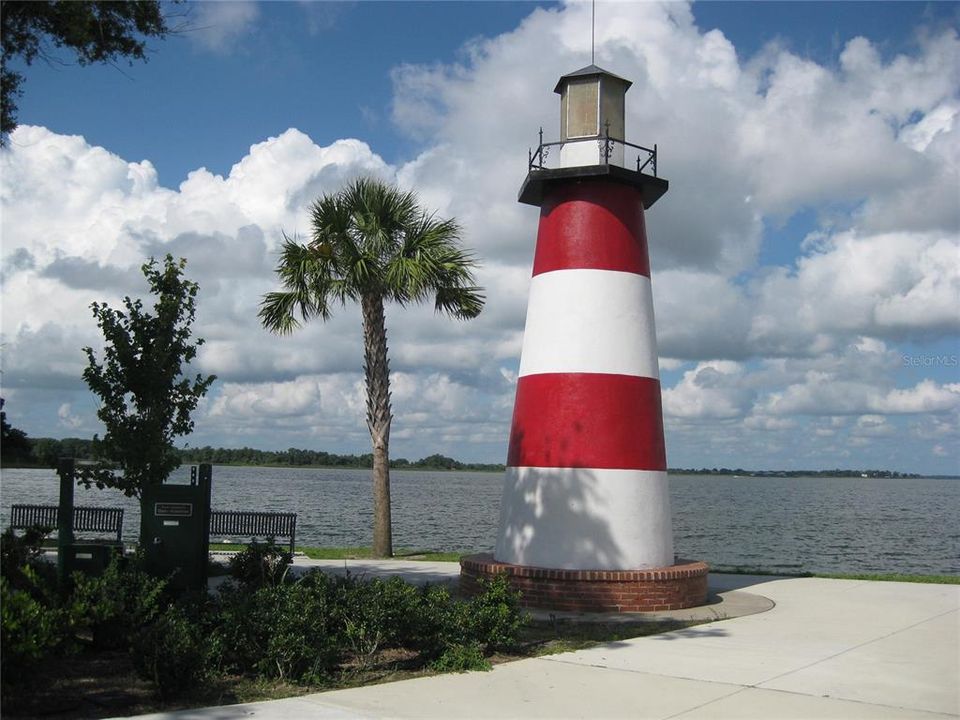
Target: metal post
[206, 485]
[66, 468]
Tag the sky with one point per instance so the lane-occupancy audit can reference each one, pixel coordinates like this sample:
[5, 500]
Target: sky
[805, 261]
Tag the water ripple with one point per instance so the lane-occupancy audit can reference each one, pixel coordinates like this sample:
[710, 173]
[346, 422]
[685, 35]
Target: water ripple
[775, 524]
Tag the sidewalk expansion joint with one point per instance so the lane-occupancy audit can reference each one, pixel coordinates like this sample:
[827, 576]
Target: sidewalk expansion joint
[857, 647]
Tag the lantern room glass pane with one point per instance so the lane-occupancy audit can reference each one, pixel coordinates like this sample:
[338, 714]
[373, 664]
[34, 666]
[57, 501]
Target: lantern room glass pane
[583, 108]
[612, 107]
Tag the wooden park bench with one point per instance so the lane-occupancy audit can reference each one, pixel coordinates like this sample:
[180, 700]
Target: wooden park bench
[249, 524]
[85, 519]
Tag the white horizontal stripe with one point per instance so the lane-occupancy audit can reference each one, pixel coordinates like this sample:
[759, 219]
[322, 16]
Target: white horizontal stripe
[591, 321]
[585, 519]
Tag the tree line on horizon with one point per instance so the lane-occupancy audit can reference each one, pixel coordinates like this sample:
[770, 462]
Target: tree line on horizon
[836, 472]
[45, 452]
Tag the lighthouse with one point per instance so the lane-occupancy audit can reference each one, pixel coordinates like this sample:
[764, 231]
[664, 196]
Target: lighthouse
[585, 519]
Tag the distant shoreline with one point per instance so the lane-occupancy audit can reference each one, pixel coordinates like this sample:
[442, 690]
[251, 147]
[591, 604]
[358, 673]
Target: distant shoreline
[491, 468]
[46, 451]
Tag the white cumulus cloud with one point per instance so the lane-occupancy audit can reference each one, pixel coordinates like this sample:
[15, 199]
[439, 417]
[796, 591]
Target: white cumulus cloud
[767, 361]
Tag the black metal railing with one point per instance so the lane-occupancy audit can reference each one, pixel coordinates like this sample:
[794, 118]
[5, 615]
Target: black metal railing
[646, 157]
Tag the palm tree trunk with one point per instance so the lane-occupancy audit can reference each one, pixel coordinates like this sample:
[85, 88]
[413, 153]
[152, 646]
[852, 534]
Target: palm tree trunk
[376, 370]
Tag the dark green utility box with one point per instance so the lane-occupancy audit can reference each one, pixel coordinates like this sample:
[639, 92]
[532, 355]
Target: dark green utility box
[175, 530]
[88, 557]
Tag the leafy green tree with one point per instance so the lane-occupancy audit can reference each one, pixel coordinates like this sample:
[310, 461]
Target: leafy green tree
[14, 444]
[97, 32]
[145, 401]
[440, 462]
[372, 244]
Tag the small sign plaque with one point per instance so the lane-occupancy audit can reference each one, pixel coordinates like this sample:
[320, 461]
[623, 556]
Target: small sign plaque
[171, 509]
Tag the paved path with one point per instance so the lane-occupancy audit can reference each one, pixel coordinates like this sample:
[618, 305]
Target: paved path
[828, 649]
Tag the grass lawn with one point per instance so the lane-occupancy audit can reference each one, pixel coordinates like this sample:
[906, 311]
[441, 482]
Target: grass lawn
[364, 553]
[877, 577]
[357, 553]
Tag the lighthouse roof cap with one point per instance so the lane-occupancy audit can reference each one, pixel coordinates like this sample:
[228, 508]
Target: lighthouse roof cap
[590, 71]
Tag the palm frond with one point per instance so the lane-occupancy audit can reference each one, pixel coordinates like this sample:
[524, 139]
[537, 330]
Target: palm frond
[277, 312]
[462, 303]
[304, 275]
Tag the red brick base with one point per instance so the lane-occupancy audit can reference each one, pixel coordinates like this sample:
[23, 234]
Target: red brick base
[675, 587]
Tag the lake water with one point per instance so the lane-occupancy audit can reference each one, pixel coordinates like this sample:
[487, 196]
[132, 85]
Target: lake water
[775, 524]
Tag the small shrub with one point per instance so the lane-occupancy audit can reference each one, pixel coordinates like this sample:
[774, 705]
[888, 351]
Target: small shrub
[290, 631]
[494, 617]
[432, 626]
[395, 603]
[260, 564]
[461, 658]
[33, 625]
[30, 632]
[374, 615]
[176, 652]
[244, 627]
[360, 618]
[119, 602]
[303, 630]
[22, 563]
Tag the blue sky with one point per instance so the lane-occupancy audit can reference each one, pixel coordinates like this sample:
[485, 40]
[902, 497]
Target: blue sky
[325, 68]
[805, 260]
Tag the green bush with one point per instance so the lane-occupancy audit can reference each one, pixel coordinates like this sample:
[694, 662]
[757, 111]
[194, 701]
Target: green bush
[118, 603]
[243, 628]
[461, 658]
[303, 630]
[390, 606]
[260, 564]
[22, 563]
[361, 619]
[267, 626]
[373, 615]
[493, 618]
[288, 631]
[176, 652]
[33, 624]
[30, 632]
[431, 627]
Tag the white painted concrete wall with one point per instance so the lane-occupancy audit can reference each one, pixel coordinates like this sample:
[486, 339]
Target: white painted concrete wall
[577, 153]
[598, 321]
[585, 519]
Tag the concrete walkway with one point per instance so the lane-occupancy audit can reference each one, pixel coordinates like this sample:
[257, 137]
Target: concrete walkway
[828, 649]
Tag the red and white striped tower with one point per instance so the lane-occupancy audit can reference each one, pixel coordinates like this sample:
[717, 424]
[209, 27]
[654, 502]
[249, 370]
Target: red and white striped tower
[585, 515]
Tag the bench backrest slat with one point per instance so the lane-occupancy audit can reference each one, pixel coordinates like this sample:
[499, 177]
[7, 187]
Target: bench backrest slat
[85, 518]
[254, 524]
[104, 519]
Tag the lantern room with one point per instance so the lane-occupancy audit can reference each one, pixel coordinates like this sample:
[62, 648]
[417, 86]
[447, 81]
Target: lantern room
[592, 142]
[591, 110]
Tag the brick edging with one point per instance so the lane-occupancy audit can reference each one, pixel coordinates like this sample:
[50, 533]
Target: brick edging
[678, 586]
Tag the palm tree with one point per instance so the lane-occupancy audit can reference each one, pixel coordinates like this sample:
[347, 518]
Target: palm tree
[372, 243]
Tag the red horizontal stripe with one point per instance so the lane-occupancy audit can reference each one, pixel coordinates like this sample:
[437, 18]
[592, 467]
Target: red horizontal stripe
[597, 225]
[589, 420]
